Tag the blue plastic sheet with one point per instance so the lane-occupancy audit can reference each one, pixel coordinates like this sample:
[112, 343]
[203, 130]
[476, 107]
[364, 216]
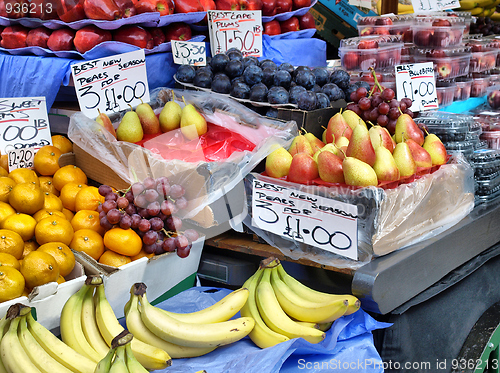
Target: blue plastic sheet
[299, 51]
[348, 344]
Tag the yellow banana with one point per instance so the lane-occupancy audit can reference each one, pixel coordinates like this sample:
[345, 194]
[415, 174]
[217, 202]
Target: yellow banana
[105, 364]
[308, 324]
[468, 4]
[119, 365]
[133, 364]
[325, 326]
[89, 325]
[274, 316]
[476, 11]
[495, 16]
[150, 357]
[4, 326]
[492, 5]
[59, 350]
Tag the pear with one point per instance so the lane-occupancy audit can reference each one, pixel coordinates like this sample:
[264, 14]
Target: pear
[323, 136]
[149, 120]
[432, 137]
[330, 167]
[420, 155]
[300, 144]
[193, 124]
[337, 127]
[360, 146]
[329, 148]
[303, 169]
[353, 119]
[130, 128]
[170, 116]
[406, 128]
[315, 143]
[436, 149]
[404, 160]
[342, 143]
[380, 136]
[385, 166]
[104, 121]
[278, 163]
[358, 173]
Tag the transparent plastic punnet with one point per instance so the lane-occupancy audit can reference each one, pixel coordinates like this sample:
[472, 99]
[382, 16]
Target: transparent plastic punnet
[447, 126]
[205, 181]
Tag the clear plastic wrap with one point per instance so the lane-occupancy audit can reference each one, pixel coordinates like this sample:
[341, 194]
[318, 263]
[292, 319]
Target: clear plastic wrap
[388, 220]
[205, 182]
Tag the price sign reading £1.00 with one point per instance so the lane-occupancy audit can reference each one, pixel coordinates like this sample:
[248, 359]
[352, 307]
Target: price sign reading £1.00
[235, 29]
[111, 84]
[189, 52]
[417, 82]
[317, 221]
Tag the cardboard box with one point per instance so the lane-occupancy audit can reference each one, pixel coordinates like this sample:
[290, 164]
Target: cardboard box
[347, 12]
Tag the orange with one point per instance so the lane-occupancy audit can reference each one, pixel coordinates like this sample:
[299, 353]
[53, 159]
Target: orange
[3, 171]
[68, 194]
[60, 279]
[4, 161]
[11, 243]
[6, 185]
[62, 254]
[6, 210]
[21, 223]
[39, 268]
[52, 202]
[123, 241]
[88, 199]
[11, 283]
[142, 254]
[88, 241]
[68, 174]
[41, 214]
[68, 214]
[24, 175]
[113, 259]
[46, 160]
[9, 260]
[87, 219]
[29, 246]
[47, 185]
[62, 143]
[27, 198]
[54, 229]
[26, 292]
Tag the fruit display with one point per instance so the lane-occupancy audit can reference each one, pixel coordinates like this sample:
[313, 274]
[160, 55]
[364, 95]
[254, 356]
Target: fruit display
[437, 32]
[386, 25]
[463, 89]
[276, 27]
[448, 63]
[480, 84]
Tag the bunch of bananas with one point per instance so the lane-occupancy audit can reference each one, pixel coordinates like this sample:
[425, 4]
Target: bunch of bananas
[89, 325]
[187, 334]
[120, 357]
[284, 308]
[28, 347]
[484, 8]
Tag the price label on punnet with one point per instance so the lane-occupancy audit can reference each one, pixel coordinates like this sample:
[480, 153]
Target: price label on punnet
[21, 158]
[235, 29]
[314, 220]
[417, 82]
[111, 84]
[24, 123]
[189, 52]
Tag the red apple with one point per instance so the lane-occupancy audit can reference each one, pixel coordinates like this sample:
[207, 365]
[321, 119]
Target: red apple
[436, 53]
[14, 37]
[441, 22]
[385, 21]
[134, 35]
[382, 31]
[166, 7]
[250, 4]
[291, 24]
[105, 10]
[476, 47]
[38, 37]
[494, 99]
[158, 35]
[350, 60]
[283, 6]
[368, 60]
[127, 8]
[408, 36]
[297, 4]
[227, 4]
[422, 38]
[43, 9]
[89, 36]
[444, 69]
[272, 27]
[61, 39]
[177, 31]
[367, 31]
[70, 10]
[367, 44]
[268, 8]
[440, 39]
[307, 21]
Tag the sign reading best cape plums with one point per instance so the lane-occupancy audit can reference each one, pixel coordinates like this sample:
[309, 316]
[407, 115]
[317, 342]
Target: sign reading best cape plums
[111, 84]
[314, 220]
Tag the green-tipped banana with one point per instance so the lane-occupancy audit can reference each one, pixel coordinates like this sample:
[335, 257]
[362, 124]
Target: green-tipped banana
[119, 364]
[89, 325]
[105, 364]
[133, 364]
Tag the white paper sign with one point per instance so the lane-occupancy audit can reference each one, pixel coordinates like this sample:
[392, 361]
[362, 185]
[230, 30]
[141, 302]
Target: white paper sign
[423, 6]
[417, 82]
[111, 84]
[235, 29]
[189, 52]
[23, 123]
[21, 158]
[317, 221]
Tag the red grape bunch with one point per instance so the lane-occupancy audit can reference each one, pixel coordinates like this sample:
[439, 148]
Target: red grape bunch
[149, 208]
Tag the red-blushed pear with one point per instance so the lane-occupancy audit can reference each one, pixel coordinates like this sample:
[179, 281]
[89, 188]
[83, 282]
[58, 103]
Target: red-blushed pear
[278, 163]
[358, 173]
[404, 160]
[316, 143]
[300, 144]
[337, 127]
[436, 149]
[353, 119]
[104, 121]
[329, 148]
[360, 146]
[303, 169]
[420, 155]
[385, 166]
[406, 128]
[380, 136]
[330, 167]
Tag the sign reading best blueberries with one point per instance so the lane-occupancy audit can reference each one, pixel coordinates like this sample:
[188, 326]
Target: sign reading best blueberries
[417, 82]
[314, 220]
[235, 29]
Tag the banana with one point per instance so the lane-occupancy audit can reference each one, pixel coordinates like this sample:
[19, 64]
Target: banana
[325, 326]
[136, 326]
[71, 325]
[495, 17]
[150, 357]
[468, 4]
[133, 364]
[261, 334]
[317, 296]
[41, 358]
[119, 364]
[193, 335]
[105, 364]
[59, 350]
[492, 5]
[476, 11]
[89, 325]
[4, 326]
[274, 316]
[13, 355]
[308, 324]
[303, 309]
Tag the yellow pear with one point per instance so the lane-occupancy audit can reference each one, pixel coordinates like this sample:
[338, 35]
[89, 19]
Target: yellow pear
[193, 124]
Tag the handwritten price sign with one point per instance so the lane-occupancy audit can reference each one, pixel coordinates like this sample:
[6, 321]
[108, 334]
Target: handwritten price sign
[21, 158]
[111, 84]
[423, 6]
[235, 29]
[23, 123]
[417, 82]
[189, 53]
[317, 221]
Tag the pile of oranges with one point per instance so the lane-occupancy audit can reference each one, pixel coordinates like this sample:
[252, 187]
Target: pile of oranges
[44, 213]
